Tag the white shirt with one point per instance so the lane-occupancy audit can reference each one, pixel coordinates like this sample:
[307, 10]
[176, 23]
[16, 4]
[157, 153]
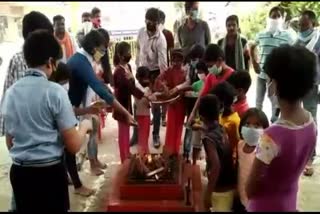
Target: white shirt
[142, 106]
[151, 51]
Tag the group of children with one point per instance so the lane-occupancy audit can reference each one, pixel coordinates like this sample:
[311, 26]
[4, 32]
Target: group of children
[221, 120]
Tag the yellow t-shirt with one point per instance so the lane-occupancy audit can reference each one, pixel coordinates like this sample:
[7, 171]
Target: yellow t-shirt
[231, 124]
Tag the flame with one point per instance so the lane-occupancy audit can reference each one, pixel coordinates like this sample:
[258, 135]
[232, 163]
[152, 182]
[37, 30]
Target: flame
[149, 158]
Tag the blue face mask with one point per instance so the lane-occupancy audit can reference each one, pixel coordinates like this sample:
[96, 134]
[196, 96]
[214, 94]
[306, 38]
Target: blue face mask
[194, 14]
[251, 135]
[193, 63]
[305, 33]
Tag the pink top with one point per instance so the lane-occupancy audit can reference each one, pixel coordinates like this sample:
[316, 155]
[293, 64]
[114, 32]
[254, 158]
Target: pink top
[286, 149]
[245, 161]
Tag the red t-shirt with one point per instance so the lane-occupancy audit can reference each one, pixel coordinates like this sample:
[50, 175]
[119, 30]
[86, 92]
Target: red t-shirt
[213, 80]
[241, 107]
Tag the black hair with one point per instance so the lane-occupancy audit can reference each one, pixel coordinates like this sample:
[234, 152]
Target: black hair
[254, 112]
[213, 53]
[39, 46]
[201, 65]
[35, 21]
[92, 40]
[162, 16]
[57, 18]
[153, 14]
[226, 94]
[105, 34]
[188, 5]
[294, 69]
[240, 80]
[63, 73]
[277, 8]
[120, 49]
[95, 11]
[233, 18]
[311, 15]
[85, 14]
[196, 51]
[105, 61]
[142, 72]
[209, 107]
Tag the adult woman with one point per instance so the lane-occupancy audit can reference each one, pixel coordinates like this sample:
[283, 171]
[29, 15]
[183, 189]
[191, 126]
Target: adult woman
[35, 111]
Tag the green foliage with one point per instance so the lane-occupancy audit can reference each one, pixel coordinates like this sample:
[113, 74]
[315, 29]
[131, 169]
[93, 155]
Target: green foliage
[294, 8]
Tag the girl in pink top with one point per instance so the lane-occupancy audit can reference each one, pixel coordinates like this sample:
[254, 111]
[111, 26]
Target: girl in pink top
[252, 124]
[286, 146]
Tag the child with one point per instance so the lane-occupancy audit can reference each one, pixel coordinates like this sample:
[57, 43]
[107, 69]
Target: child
[202, 71]
[220, 167]
[286, 146]
[124, 87]
[218, 73]
[241, 81]
[252, 124]
[143, 110]
[229, 119]
[172, 77]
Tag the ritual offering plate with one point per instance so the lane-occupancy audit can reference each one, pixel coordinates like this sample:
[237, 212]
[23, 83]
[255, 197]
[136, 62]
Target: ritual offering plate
[153, 168]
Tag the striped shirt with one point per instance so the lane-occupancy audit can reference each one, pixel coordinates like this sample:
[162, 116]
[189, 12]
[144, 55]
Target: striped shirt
[266, 41]
[17, 69]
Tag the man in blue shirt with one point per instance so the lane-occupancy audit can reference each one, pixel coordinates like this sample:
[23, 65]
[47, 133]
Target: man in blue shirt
[35, 111]
[309, 37]
[273, 36]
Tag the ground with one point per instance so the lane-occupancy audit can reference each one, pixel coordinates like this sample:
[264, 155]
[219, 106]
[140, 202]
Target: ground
[309, 193]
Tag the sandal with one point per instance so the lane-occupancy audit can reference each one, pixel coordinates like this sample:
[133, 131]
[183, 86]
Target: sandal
[308, 171]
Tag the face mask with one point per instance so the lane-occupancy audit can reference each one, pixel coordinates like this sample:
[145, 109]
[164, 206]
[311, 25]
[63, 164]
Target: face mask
[274, 25]
[215, 70]
[151, 27]
[194, 14]
[87, 27]
[251, 136]
[97, 56]
[202, 76]
[127, 58]
[193, 63]
[305, 33]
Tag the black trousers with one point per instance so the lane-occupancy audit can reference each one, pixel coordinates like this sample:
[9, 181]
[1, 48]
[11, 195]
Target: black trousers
[71, 164]
[43, 189]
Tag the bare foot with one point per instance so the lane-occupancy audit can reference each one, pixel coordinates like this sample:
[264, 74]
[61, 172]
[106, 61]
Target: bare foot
[96, 171]
[101, 165]
[84, 191]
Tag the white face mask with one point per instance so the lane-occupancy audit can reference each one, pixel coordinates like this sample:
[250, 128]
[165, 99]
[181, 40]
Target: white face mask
[251, 136]
[87, 27]
[202, 76]
[274, 25]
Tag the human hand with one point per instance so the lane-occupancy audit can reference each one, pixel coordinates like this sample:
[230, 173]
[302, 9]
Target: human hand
[130, 120]
[189, 93]
[173, 91]
[256, 67]
[96, 107]
[152, 97]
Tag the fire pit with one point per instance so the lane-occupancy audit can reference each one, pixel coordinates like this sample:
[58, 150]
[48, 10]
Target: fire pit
[153, 168]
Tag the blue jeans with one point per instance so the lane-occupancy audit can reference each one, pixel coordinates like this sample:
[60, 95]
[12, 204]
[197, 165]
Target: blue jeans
[156, 111]
[187, 144]
[260, 95]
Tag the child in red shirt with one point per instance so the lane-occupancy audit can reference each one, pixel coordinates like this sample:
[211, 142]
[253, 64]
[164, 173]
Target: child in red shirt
[218, 73]
[172, 77]
[241, 81]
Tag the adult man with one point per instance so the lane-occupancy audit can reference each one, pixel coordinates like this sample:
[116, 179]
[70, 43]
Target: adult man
[193, 30]
[273, 36]
[86, 27]
[152, 53]
[66, 41]
[310, 38]
[96, 17]
[235, 46]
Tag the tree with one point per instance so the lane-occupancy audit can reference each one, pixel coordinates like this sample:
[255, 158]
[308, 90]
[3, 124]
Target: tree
[293, 9]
